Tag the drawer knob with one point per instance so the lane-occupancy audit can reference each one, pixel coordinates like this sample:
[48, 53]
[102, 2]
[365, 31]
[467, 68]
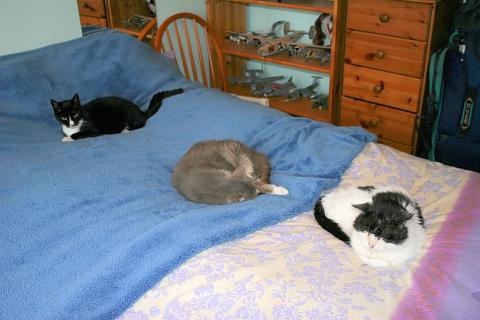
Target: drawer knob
[364, 123]
[384, 18]
[379, 87]
[373, 123]
[380, 54]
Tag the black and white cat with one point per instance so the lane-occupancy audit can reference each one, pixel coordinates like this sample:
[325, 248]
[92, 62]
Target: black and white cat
[107, 115]
[223, 171]
[383, 225]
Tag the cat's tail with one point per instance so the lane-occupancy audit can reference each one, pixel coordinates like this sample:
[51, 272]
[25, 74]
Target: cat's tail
[328, 224]
[157, 99]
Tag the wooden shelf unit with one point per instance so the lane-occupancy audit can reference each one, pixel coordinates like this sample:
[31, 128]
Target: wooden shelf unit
[231, 15]
[114, 13]
[250, 52]
[301, 107]
[321, 6]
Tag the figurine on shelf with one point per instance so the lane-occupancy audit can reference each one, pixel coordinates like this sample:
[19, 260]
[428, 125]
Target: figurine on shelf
[305, 92]
[321, 55]
[280, 38]
[257, 38]
[254, 79]
[137, 21]
[266, 87]
[151, 7]
[320, 101]
[323, 30]
[275, 89]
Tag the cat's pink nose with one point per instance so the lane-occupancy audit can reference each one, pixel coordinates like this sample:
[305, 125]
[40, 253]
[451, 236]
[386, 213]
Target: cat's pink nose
[372, 241]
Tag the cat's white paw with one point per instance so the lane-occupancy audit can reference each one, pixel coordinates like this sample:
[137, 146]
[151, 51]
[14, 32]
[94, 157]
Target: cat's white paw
[279, 190]
[67, 139]
[125, 130]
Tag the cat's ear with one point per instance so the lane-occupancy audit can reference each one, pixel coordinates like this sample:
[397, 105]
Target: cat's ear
[76, 99]
[364, 207]
[55, 104]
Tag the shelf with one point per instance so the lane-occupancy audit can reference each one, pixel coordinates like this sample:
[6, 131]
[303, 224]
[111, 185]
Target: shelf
[250, 52]
[233, 15]
[322, 6]
[301, 107]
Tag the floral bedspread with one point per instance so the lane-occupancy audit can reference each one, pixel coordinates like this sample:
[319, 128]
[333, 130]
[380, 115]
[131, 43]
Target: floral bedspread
[296, 270]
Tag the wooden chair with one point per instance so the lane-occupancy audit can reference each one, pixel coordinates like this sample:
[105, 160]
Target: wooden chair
[148, 28]
[191, 42]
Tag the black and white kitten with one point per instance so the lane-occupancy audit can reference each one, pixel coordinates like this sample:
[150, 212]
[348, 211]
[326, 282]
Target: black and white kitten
[107, 115]
[383, 225]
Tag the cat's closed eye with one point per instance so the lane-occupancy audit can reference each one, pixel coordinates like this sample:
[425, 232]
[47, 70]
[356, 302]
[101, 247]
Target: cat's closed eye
[394, 234]
[364, 223]
[375, 230]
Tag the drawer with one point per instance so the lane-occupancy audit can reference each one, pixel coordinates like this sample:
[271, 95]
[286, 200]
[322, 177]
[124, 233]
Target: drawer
[381, 87]
[398, 146]
[386, 123]
[403, 19]
[385, 53]
[92, 8]
[92, 21]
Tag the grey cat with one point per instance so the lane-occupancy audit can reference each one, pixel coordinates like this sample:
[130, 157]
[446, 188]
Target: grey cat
[223, 171]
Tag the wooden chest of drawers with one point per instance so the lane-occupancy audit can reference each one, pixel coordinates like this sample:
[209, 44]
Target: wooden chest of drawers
[387, 48]
[93, 12]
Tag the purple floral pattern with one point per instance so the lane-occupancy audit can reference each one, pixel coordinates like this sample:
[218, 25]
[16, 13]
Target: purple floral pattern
[295, 270]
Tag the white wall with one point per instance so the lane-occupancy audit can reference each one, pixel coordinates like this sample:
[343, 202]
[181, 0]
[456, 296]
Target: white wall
[166, 8]
[31, 24]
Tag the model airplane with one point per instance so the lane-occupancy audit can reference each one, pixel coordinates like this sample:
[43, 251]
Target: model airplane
[274, 89]
[320, 101]
[306, 92]
[266, 87]
[321, 55]
[256, 38]
[137, 21]
[254, 79]
[279, 39]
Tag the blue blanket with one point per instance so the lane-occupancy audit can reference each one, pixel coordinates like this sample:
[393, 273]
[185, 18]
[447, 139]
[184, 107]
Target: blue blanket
[87, 227]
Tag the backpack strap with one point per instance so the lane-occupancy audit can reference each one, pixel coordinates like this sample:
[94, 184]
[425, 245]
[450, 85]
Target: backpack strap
[435, 88]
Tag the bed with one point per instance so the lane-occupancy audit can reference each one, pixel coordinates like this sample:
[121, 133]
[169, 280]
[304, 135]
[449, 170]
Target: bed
[93, 229]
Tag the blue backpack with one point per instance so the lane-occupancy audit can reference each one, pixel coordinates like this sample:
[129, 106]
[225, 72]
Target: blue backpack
[454, 101]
